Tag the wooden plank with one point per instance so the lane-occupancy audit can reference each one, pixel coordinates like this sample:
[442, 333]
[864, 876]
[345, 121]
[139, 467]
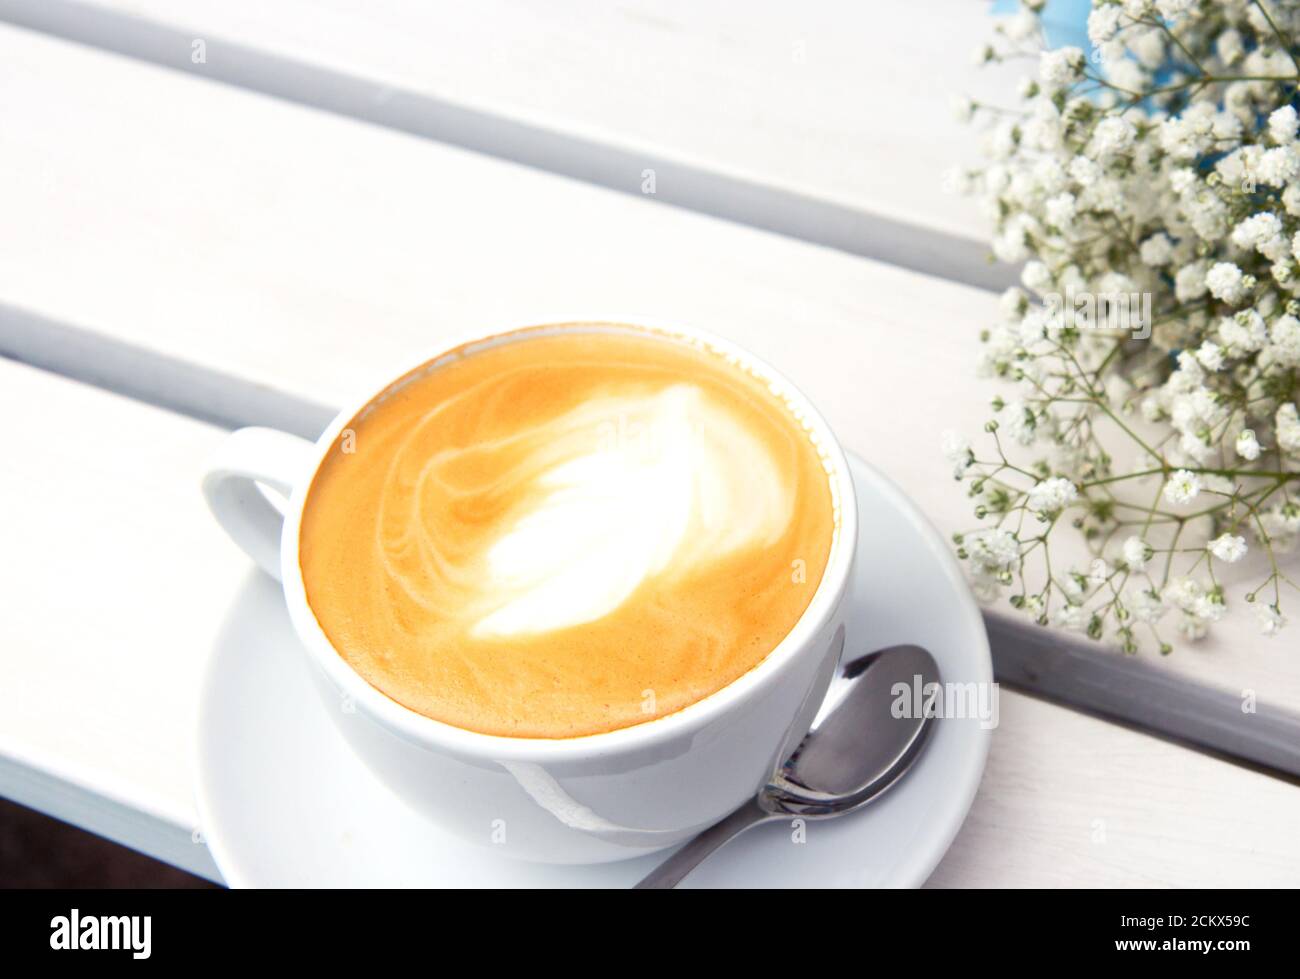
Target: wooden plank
[127, 816]
[1071, 801]
[287, 257]
[827, 122]
[117, 582]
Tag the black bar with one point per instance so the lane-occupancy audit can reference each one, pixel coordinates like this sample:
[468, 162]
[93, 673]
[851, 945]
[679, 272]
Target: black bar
[930, 927]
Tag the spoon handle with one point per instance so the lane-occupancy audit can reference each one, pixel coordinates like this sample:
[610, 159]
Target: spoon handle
[671, 871]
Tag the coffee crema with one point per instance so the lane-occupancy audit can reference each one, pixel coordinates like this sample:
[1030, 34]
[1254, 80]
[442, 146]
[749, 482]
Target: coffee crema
[564, 533]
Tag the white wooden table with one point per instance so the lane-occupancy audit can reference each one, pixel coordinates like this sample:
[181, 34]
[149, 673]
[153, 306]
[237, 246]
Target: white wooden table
[186, 246]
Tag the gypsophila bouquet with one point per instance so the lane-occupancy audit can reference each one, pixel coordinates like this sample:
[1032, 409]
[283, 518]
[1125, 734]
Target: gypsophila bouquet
[1151, 187]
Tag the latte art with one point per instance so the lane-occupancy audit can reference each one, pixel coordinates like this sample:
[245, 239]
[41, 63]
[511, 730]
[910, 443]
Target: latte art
[588, 507]
[566, 534]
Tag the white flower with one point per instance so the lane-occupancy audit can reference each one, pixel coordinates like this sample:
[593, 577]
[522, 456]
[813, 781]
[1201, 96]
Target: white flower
[1147, 606]
[1208, 216]
[1278, 167]
[1182, 180]
[1183, 487]
[1070, 616]
[1036, 277]
[963, 109]
[1085, 172]
[1186, 136]
[1247, 446]
[1013, 244]
[1022, 26]
[1047, 175]
[1282, 125]
[1137, 553]
[1043, 130]
[1262, 232]
[1288, 429]
[1284, 341]
[1270, 619]
[986, 586]
[1099, 572]
[1188, 376]
[1013, 301]
[1281, 524]
[1072, 586]
[1149, 47]
[1173, 9]
[1243, 333]
[957, 450]
[1183, 195]
[1113, 135]
[1033, 606]
[1021, 422]
[1052, 495]
[1191, 627]
[1198, 605]
[1228, 548]
[1061, 210]
[1061, 67]
[1189, 282]
[1157, 250]
[1210, 355]
[1183, 593]
[1230, 46]
[1103, 23]
[1224, 281]
[1003, 140]
[992, 550]
[1255, 229]
[1209, 607]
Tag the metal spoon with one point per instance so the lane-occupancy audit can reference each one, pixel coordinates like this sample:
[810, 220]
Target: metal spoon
[855, 750]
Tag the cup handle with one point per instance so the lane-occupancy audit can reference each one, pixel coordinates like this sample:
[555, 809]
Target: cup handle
[250, 456]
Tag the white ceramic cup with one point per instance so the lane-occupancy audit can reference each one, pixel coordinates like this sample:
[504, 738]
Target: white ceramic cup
[567, 800]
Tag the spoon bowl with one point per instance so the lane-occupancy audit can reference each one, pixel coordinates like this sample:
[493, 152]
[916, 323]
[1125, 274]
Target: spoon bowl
[863, 740]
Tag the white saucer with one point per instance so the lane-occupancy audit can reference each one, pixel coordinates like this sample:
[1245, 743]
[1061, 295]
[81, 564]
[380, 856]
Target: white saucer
[283, 802]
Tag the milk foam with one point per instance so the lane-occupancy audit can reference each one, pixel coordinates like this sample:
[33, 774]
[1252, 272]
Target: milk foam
[643, 485]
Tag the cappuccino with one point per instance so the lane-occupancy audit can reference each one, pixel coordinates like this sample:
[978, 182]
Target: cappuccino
[565, 531]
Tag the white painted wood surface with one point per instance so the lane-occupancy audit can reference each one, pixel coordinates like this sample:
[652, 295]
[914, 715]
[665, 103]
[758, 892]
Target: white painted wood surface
[114, 580]
[298, 257]
[117, 580]
[242, 256]
[829, 120]
[1070, 801]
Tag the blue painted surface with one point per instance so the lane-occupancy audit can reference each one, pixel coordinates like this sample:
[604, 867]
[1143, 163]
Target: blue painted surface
[1065, 22]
